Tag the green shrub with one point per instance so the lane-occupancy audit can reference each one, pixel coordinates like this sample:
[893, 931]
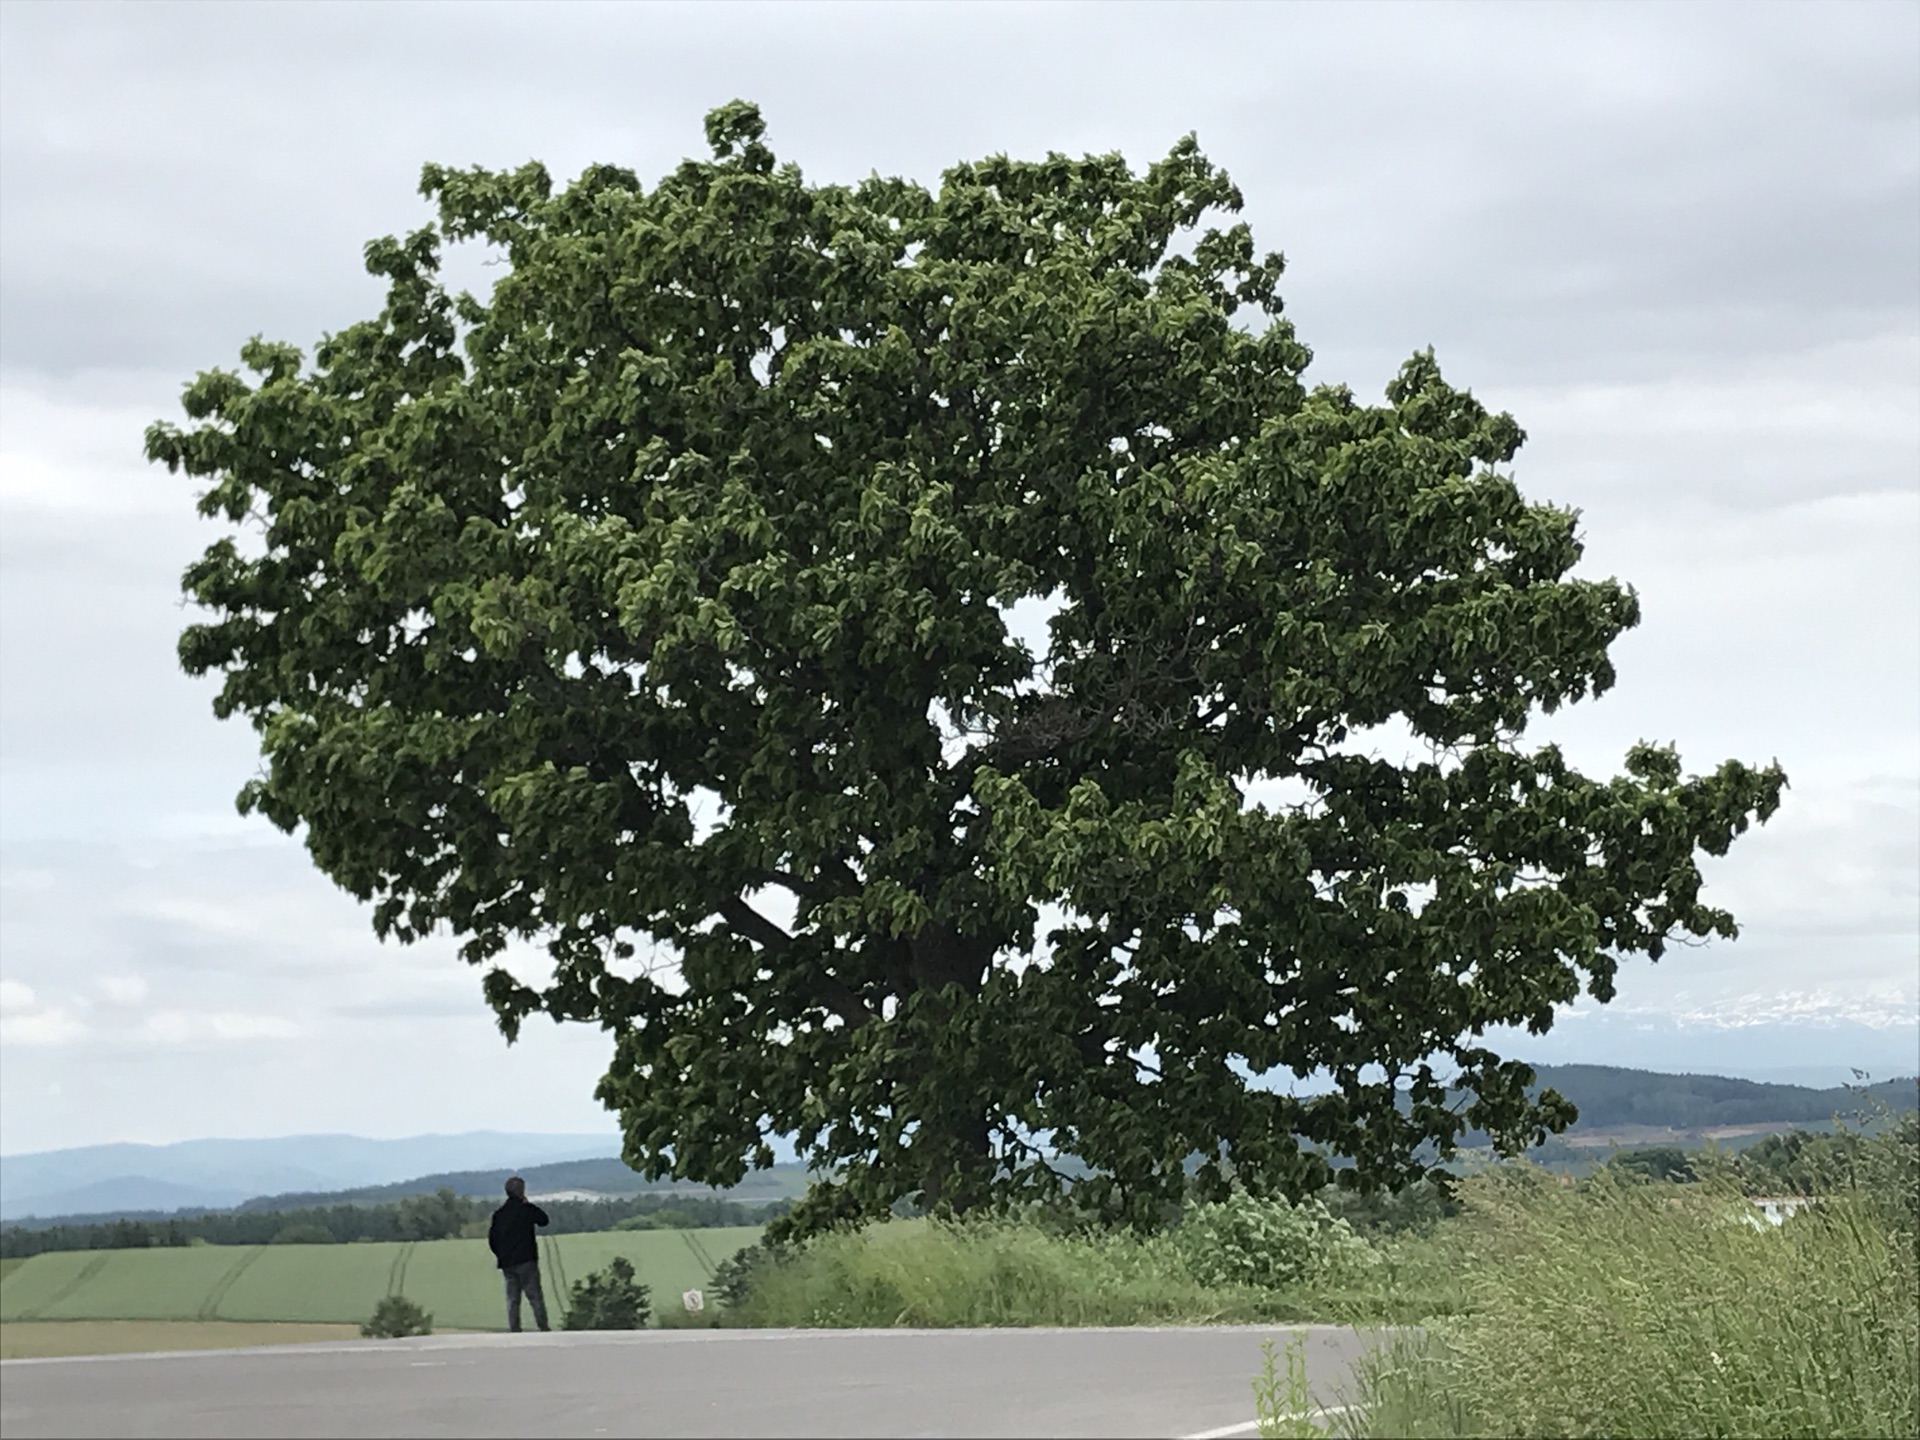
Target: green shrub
[396, 1316]
[609, 1299]
[733, 1278]
[1269, 1244]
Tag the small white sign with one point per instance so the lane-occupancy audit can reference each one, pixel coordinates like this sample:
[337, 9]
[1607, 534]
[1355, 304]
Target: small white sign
[694, 1301]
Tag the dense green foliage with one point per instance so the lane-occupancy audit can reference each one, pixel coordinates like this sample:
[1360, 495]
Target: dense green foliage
[302, 1235]
[1415, 1208]
[425, 1217]
[609, 1299]
[396, 1316]
[1268, 1243]
[667, 590]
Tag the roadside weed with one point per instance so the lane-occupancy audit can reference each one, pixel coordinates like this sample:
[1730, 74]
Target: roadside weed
[1283, 1402]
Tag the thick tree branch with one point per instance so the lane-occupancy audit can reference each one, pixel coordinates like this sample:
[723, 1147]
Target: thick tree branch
[833, 992]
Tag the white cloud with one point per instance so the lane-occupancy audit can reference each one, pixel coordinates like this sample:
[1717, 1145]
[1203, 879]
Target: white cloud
[1755, 431]
[79, 448]
[25, 1020]
[124, 989]
[40, 1028]
[228, 920]
[183, 1027]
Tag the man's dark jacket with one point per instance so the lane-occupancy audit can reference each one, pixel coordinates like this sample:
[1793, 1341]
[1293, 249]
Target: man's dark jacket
[510, 1237]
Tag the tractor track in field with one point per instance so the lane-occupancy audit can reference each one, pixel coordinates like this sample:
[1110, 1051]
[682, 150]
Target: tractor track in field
[397, 1274]
[701, 1254]
[558, 1271]
[210, 1306]
[86, 1272]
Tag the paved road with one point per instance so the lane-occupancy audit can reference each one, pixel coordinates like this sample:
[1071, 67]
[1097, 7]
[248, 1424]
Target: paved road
[1164, 1382]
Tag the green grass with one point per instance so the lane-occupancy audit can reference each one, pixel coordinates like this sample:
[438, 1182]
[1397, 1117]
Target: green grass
[929, 1273]
[335, 1284]
[1658, 1310]
[303, 1282]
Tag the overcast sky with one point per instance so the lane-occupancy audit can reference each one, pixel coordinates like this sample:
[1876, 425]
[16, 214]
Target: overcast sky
[1680, 243]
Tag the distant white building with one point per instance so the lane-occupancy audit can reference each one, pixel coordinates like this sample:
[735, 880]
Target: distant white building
[1774, 1209]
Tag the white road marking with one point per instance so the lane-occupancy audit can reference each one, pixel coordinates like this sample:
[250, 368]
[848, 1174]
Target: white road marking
[1252, 1427]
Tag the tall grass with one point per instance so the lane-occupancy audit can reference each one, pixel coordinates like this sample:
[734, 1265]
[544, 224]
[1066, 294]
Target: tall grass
[1243, 1260]
[1626, 1309]
[936, 1274]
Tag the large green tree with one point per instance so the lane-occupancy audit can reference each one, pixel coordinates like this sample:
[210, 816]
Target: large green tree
[656, 608]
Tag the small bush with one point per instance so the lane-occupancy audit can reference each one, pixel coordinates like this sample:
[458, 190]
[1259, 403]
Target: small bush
[733, 1278]
[396, 1316]
[609, 1299]
[1269, 1244]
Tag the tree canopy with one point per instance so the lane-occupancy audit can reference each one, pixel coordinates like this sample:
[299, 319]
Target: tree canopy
[665, 607]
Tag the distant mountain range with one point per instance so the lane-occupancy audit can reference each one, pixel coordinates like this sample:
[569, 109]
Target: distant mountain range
[220, 1174]
[1815, 1048]
[1610, 1097]
[105, 1180]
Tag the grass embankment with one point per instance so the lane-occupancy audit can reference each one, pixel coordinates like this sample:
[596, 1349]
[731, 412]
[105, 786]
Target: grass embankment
[1213, 1270]
[1623, 1309]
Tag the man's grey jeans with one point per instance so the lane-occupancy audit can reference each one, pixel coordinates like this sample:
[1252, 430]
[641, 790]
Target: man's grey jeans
[524, 1280]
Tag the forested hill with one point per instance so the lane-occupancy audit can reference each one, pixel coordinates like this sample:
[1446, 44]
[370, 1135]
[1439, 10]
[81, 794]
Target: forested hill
[1609, 1096]
[603, 1177]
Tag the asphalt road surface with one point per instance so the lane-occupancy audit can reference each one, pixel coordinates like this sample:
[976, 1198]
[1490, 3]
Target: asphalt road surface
[1162, 1382]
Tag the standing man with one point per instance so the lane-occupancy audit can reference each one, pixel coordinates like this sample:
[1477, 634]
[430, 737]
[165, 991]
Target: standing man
[511, 1239]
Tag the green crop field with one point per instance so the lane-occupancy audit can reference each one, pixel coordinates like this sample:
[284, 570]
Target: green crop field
[319, 1284]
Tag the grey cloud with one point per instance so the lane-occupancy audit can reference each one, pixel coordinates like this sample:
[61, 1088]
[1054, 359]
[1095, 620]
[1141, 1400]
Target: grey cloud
[1574, 189]
[1680, 242]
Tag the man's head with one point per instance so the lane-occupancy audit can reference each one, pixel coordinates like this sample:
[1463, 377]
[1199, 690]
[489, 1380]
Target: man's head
[516, 1188]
